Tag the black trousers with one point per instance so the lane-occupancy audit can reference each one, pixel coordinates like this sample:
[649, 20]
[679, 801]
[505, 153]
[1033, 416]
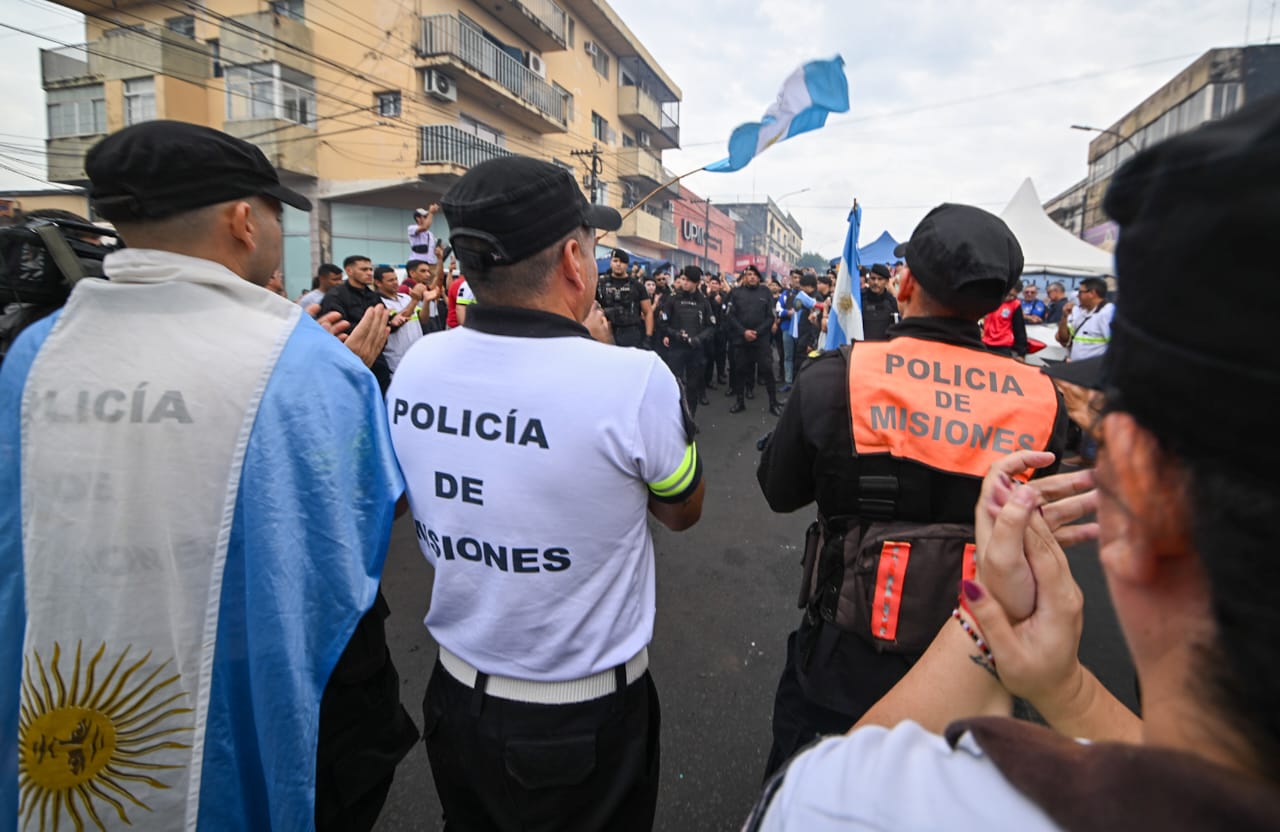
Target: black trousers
[852, 676]
[715, 352]
[504, 765]
[750, 358]
[687, 365]
[628, 336]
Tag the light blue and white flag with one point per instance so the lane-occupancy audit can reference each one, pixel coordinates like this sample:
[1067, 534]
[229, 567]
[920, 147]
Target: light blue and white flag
[845, 322]
[182, 559]
[807, 96]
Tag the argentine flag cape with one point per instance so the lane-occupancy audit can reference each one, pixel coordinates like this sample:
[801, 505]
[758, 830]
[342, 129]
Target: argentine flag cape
[196, 493]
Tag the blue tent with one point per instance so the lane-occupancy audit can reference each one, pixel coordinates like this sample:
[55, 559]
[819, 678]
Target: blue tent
[881, 251]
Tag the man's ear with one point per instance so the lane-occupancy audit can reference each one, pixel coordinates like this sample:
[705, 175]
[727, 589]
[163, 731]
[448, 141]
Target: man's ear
[907, 287]
[571, 263]
[243, 224]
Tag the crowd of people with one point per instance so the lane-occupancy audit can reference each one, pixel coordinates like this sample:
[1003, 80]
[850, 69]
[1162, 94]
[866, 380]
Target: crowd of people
[199, 482]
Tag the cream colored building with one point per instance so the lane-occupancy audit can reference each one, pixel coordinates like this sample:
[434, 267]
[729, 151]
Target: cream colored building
[375, 109]
[15, 204]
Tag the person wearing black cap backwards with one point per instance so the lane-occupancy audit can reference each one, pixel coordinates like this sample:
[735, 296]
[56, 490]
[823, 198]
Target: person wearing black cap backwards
[529, 486]
[685, 323]
[892, 439]
[185, 518]
[626, 304]
[1186, 500]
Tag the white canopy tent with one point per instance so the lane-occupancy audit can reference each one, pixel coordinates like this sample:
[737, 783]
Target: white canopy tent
[1048, 248]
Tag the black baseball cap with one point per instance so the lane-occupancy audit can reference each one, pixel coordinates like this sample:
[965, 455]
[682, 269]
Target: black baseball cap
[504, 210]
[882, 270]
[694, 273]
[619, 254]
[963, 256]
[1203, 202]
[157, 169]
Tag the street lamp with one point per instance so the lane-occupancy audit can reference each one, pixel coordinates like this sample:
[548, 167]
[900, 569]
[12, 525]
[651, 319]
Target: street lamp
[1084, 208]
[1108, 132]
[778, 201]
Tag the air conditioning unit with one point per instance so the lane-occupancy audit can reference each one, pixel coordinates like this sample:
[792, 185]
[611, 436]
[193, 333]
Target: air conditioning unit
[536, 65]
[439, 86]
[591, 48]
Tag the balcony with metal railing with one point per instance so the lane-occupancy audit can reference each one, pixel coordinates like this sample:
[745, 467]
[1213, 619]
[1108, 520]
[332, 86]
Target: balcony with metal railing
[480, 69]
[541, 22]
[641, 111]
[444, 144]
[644, 168]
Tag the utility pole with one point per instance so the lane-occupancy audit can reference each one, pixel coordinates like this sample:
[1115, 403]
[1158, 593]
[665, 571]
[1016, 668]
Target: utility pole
[706, 233]
[595, 167]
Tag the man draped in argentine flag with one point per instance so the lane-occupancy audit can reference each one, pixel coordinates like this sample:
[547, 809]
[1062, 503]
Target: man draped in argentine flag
[845, 322]
[196, 494]
[807, 96]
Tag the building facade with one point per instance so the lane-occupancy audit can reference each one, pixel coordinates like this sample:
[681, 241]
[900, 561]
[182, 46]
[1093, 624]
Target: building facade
[375, 110]
[14, 205]
[1217, 84]
[704, 233]
[766, 236]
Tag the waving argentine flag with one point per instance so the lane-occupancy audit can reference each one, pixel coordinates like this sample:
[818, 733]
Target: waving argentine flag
[807, 96]
[845, 323]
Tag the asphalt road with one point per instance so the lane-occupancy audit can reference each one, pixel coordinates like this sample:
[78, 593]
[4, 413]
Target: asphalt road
[726, 601]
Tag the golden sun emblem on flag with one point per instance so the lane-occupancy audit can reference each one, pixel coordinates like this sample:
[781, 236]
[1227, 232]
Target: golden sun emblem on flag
[85, 746]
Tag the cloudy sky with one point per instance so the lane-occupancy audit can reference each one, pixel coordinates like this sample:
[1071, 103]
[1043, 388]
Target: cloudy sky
[950, 101]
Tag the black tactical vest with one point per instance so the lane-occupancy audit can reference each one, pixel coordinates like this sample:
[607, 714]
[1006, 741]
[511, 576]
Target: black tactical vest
[620, 300]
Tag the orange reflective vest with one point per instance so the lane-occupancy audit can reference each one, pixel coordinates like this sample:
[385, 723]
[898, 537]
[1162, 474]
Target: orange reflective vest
[952, 408]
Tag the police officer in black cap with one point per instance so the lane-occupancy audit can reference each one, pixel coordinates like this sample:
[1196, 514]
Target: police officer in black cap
[625, 303]
[201, 214]
[751, 317]
[879, 306]
[685, 323]
[891, 439]
[540, 713]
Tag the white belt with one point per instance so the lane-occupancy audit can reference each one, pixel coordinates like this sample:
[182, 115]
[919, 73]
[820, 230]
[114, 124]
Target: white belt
[545, 693]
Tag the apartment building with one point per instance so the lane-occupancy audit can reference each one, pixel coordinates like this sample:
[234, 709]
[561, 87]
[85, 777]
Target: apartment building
[766, 236]
[1212, 87]
[375, 109]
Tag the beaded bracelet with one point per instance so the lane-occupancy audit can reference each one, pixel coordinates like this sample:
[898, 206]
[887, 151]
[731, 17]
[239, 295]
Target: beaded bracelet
[984, 660]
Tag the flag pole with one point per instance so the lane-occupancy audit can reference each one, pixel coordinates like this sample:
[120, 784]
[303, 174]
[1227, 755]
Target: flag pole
[656, 190]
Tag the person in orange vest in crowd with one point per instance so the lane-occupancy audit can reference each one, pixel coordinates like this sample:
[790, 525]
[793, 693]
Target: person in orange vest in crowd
[1004, 329]
[891, 439]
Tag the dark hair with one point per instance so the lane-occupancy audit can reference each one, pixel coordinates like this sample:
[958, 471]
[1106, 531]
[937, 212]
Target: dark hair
[863, 271]
[809, 280]
[413, 264]
[329, 268]
[520, 281]
[1233, 529]
[825, 279]
[379, 271]
[315, 282]
[795, 272]
[355, 258]
[1096, 285]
